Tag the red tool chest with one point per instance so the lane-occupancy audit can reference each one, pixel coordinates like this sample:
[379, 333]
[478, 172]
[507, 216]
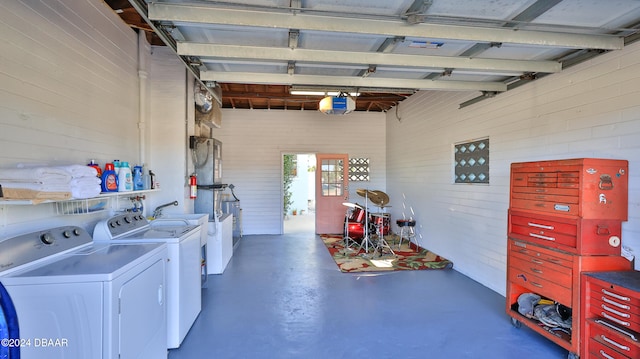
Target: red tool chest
[588, 188]
[564, 219]
[611, 311]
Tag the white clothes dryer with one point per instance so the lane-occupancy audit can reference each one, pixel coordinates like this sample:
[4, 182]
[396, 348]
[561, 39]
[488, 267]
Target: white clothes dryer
[77, 299]
[183, 270]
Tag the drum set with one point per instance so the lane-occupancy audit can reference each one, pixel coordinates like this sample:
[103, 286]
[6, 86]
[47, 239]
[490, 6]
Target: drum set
[367, 229]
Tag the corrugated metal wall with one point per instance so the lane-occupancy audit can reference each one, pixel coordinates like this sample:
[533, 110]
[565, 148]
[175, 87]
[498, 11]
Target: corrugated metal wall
[590, 110]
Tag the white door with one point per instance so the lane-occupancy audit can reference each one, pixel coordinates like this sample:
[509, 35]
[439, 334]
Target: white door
[332, 190]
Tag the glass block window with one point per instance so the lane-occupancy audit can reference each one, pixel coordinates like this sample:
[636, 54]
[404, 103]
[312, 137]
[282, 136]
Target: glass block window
[358, 169]
[471, 161]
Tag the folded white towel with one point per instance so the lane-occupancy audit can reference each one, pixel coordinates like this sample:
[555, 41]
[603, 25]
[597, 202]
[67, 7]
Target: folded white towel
[49, 175]
[80, 192]
[77, 171]
[85, 181]
[85, 187]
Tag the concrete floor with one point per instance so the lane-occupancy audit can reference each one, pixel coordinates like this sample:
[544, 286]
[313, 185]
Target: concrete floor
[282, 296]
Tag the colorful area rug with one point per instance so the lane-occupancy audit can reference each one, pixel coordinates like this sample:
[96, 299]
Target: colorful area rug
[408, 256]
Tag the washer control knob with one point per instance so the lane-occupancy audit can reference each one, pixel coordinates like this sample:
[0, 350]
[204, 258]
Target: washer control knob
[46, 238]
[66, 234]
[112, 224]
[76, 232]
[127, 219]
[118, 222]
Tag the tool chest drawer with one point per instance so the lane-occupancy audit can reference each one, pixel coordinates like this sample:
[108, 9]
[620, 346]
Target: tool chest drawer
[612, 311]
[541, 271]
[561, 276]
[597, 350]
[541, 255]
[584, 187]
[575, 235]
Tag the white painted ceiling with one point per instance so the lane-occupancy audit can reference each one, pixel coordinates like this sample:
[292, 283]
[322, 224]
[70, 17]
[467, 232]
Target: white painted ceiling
[483, 46]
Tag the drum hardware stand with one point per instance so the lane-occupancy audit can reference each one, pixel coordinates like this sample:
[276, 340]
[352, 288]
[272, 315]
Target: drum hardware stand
[366, 241]
[382, 243]
[348, 241]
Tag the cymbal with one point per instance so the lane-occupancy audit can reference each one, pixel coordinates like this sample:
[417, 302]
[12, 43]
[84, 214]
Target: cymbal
[383, 198]
[352, 205]
[363, 192]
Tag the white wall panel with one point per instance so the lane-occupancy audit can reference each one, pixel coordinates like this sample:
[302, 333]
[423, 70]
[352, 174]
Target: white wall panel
[255, 140]
[168, 128]
[589, 110]
[68, 94]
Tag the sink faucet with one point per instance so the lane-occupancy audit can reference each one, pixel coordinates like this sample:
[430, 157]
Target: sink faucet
[158, 211]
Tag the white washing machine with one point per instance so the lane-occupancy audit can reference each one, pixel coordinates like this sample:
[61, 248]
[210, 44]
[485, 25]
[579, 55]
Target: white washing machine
[77, 299]
[183, 270]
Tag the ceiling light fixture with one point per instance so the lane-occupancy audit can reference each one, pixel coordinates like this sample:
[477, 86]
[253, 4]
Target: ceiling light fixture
[320, 93]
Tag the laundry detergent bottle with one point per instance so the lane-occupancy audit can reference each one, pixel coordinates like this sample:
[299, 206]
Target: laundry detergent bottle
[109, 179]
[125, 179]
[138, 183]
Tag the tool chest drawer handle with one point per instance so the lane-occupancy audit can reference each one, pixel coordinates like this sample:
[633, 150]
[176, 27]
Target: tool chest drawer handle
[536, 284]
[619, 330]
[536, 270]
[535, 261]
[614, 319]
[611, 294]
[607, 356]
[609, 301]
[543, 226]
[611, 310]
[546, 238]
[614, 343]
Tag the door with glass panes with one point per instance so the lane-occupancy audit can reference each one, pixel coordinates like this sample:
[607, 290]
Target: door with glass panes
[332, 191]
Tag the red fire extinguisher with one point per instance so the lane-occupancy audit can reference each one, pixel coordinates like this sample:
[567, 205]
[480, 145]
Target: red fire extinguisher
[193, 185]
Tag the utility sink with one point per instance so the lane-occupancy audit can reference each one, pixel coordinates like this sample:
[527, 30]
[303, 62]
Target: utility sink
[173, 219]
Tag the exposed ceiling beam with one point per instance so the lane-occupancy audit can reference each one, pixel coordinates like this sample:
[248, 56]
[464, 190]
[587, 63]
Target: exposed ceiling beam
[219, 15]
[263, 78]
[532, 12]
[142, 9]
[362, 58]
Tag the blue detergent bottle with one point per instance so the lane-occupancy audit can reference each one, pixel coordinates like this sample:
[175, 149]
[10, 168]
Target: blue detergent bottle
[138, 183]
[109, 179]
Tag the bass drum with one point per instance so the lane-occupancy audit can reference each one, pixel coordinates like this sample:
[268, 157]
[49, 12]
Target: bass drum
[354, 230]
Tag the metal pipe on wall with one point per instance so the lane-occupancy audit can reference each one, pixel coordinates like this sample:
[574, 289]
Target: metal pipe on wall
[142, 98]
